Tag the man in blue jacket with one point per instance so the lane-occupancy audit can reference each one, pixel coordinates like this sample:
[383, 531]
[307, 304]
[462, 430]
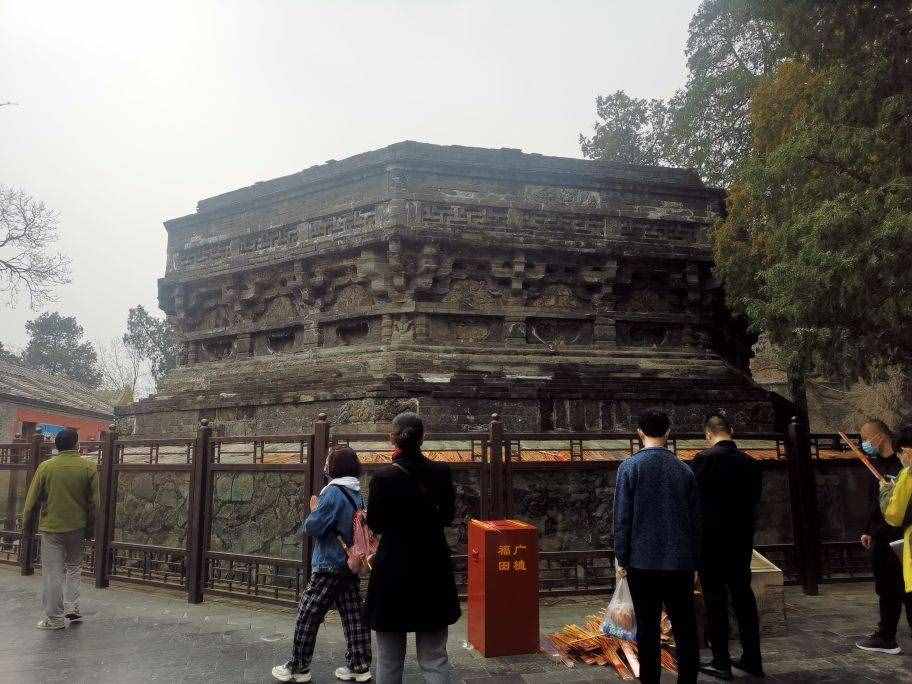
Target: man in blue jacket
[656, 546]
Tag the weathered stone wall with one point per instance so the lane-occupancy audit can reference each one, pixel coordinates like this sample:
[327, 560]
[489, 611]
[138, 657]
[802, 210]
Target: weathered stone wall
[573, 506]
[442, 413]
[571, 503]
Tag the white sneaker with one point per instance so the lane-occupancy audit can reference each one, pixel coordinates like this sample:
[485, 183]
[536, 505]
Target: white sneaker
[347, 675]
[284, 673]
[52, 623]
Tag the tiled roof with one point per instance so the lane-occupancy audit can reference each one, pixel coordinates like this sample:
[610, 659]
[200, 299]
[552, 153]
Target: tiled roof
[53, 391]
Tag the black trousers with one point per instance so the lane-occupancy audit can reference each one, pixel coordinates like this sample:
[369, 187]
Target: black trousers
[651, 589]
[723, 580]
[890, 588]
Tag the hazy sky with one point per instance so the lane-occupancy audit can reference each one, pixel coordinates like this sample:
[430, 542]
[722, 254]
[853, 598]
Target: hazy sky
[128, 112]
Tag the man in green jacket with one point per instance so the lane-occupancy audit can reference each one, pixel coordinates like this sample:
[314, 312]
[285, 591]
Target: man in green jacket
[66, 489]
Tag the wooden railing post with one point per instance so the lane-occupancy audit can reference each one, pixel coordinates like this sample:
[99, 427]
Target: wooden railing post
[319, 449]
[29, 527]
[803, 496]
[104, 515]
[199, 508]
[498, 508]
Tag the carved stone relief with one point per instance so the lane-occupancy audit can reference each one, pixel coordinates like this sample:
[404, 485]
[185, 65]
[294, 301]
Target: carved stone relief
[280, 341]
[402, 330]
[563, 197]
[216, 350]
[351, 332]
[353, 299]
[650, 292]
[279, 310]
[465, 329]
[521, 274]
[470, 294]
[243, 346]
[560, 332]
[560, 297]
[649, 334]
[287, 300]
[517, 331]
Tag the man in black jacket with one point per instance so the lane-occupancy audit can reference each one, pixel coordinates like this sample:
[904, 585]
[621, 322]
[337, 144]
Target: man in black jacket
[877, 442]
[729, 485]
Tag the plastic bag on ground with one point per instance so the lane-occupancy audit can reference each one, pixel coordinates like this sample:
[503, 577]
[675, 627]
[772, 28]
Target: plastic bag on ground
[620, 620]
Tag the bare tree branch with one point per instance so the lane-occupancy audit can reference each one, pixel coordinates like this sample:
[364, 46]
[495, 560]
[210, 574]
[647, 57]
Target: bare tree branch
[122, 368]
[28, 228]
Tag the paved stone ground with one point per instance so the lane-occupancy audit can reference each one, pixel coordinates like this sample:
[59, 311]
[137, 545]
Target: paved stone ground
[138, 634]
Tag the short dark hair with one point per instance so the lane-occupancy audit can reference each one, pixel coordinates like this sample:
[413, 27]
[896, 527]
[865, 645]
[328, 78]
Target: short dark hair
[716, 423]
[66, 439]
[408, 431]
[904, 437]
[654, 423]
[880, 425]
[342, 461]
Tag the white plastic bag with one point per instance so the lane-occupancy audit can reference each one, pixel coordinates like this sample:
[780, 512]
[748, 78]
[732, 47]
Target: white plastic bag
[620, 620]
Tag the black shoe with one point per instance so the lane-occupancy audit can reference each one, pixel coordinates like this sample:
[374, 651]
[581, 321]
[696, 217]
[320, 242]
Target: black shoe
[717, 671]
[752, 670]
[74, 617]
[878, 644]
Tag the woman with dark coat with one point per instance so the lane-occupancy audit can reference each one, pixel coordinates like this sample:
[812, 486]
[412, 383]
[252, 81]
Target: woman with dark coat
[412, 588]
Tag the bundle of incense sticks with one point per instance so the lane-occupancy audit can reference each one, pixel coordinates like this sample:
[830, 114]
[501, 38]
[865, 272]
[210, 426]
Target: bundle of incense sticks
[861, 456]
[588, 644]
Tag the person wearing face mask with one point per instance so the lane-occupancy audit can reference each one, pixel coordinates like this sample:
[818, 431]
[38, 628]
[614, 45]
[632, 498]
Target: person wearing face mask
[877, 442]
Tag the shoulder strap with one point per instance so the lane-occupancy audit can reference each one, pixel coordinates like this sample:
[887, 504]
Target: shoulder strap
[348, 496]
[422, 488]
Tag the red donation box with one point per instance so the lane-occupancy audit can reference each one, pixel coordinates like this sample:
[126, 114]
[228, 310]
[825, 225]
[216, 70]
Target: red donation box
[503, 587]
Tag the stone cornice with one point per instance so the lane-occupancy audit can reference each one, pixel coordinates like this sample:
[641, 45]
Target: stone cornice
[611, 242]
[481, 163]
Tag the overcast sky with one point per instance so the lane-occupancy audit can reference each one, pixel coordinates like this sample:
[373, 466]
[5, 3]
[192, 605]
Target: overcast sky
[128, 113]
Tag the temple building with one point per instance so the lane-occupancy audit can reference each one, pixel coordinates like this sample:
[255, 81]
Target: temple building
[564, 294]
[33, 401]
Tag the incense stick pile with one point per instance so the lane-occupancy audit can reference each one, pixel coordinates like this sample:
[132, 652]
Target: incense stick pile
[589, 645]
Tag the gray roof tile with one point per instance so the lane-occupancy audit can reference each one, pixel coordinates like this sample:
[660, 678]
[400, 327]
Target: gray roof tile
[19, 382]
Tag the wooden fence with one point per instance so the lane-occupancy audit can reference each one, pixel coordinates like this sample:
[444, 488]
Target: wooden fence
[218, 515]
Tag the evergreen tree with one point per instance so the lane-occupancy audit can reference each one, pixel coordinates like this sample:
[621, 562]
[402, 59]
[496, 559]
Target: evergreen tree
[706, 124]
[153, 340]
[816, 243]
[56, 346]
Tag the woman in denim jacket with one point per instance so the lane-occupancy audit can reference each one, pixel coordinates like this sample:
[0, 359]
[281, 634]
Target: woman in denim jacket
[332, 584]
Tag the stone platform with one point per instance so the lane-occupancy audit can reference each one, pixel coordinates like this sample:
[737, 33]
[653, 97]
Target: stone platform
[148, 635]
